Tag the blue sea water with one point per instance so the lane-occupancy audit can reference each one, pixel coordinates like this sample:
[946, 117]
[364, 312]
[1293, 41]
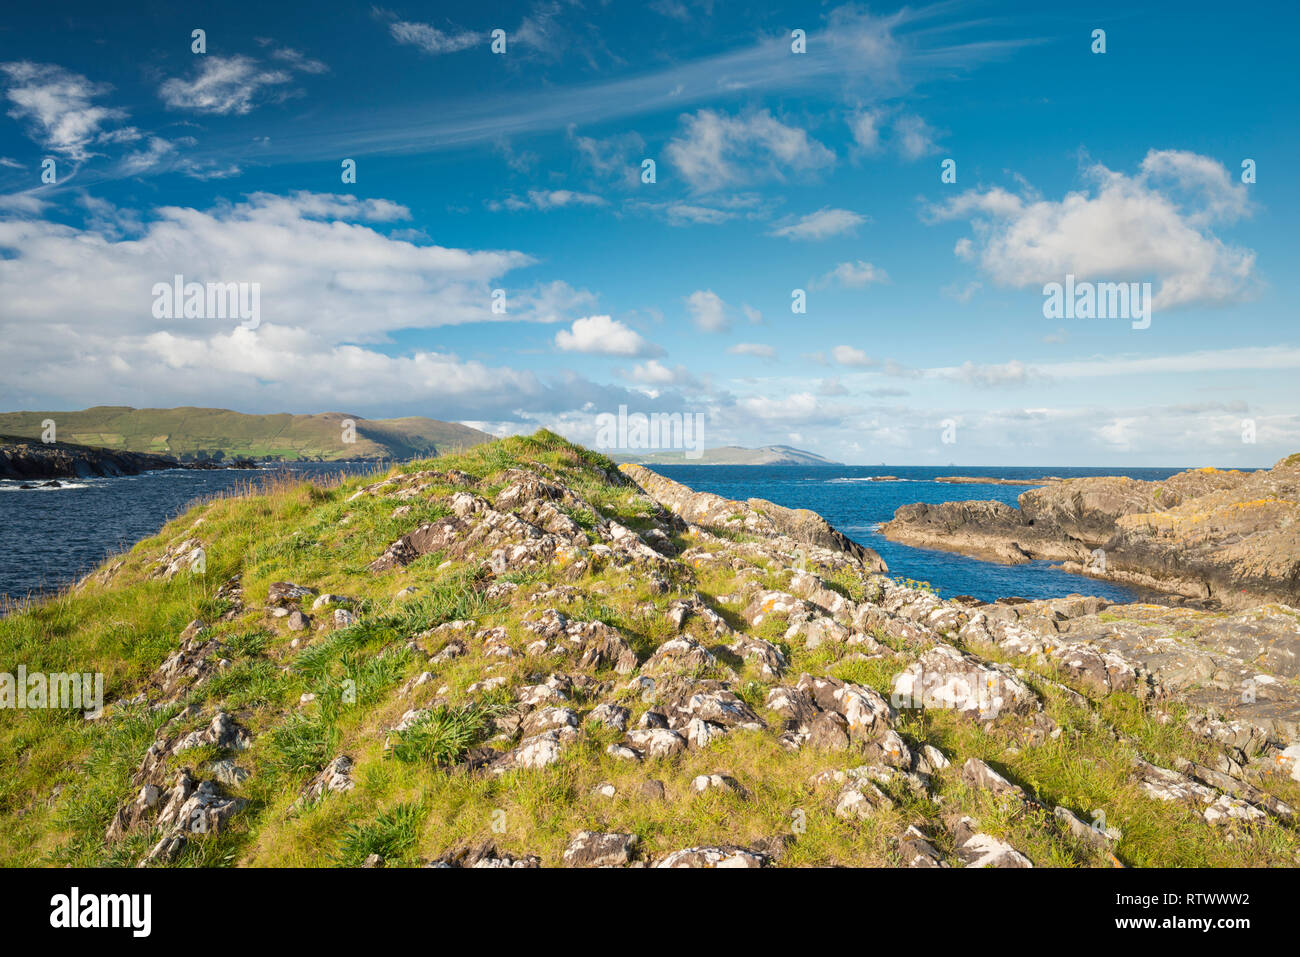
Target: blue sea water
[848, 498]
[51, 537]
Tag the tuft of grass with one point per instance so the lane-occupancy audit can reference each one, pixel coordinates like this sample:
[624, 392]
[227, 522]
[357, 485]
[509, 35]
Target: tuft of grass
[391, 835]
[442, 737]
[302, 745]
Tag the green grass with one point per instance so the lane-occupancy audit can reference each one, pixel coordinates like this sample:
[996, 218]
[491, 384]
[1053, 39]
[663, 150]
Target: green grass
[189, 431]
[415, 800]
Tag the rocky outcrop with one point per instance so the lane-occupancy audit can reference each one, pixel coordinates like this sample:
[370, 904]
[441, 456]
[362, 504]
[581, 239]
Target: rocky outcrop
[27, 460]
[593, 679]
[755, 516]
[1226, 537]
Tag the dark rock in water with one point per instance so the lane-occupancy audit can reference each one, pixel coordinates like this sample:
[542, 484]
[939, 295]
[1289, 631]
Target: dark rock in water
[25, 459]
[22, 458]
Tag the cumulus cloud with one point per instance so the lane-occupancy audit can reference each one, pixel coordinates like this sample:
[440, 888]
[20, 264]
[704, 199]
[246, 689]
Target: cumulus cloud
[853, 274]
[56, 105]
[655, 373]
[823, 224]
[78, 323]
[906, 134]
[321, 261]
[1152, 226]
[913, 137]
[865, 127]
[708, 311]
[852, 356]
[715, 150]
[603, 336]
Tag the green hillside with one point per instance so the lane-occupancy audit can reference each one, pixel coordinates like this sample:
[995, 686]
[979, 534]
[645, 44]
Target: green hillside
[190, 432]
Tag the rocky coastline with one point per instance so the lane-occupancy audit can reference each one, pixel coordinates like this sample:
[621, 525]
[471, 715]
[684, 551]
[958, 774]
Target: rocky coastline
[1225, 538]
[28, 461]
[689, 681]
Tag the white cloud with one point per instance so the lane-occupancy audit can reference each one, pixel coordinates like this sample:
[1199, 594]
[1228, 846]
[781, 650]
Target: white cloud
[681, 214]
[221, 85]
[823, 224]
[865, 127]
[717, 150]
[298, 61]
[319, 260]
[910, 136]
[851, 356]
[548, 199]
[913, 137]
[655, 373]
[708, 311]
[430, 39]
[757, 349]
[615, 157]
[157, 151]
[56, 106]
[963, 293]
[801, 407]
[1151, 226]
[853, 274]
[603, 336]
[1011, 373]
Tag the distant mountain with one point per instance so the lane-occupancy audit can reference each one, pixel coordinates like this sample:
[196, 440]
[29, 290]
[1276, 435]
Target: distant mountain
[733, 455]
[190, 433]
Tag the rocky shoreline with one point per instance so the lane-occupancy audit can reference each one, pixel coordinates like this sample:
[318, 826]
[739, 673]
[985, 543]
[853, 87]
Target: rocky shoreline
[641, 675]
[27, 461]
[1225, 538]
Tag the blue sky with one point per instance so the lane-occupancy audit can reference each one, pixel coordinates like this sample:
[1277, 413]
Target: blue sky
[776, 171]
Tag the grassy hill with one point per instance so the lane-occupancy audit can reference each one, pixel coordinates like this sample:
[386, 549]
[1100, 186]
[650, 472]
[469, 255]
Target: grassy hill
[406, 671]
[190, 432]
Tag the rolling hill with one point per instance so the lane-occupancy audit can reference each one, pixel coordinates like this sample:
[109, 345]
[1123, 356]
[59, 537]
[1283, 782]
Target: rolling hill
[732, 455]
[195, 433]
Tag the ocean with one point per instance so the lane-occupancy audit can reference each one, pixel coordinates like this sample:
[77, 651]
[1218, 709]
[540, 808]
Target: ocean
[49, 538]
[851, 499]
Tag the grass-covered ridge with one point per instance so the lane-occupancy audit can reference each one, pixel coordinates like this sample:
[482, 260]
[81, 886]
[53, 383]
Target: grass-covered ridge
[187, 431]
[377, 678]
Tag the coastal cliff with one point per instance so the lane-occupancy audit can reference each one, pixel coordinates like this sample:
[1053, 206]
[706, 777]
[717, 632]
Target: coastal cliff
[27, 460]
[1229, 538]
[526, 656]
[31, 461]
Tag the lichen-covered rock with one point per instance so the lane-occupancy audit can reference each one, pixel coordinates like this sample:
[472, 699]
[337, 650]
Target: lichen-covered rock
[596, 849]
[714, 857]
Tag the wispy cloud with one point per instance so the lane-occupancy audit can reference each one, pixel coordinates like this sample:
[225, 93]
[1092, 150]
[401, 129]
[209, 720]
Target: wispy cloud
[823, 224]
[57, 106]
